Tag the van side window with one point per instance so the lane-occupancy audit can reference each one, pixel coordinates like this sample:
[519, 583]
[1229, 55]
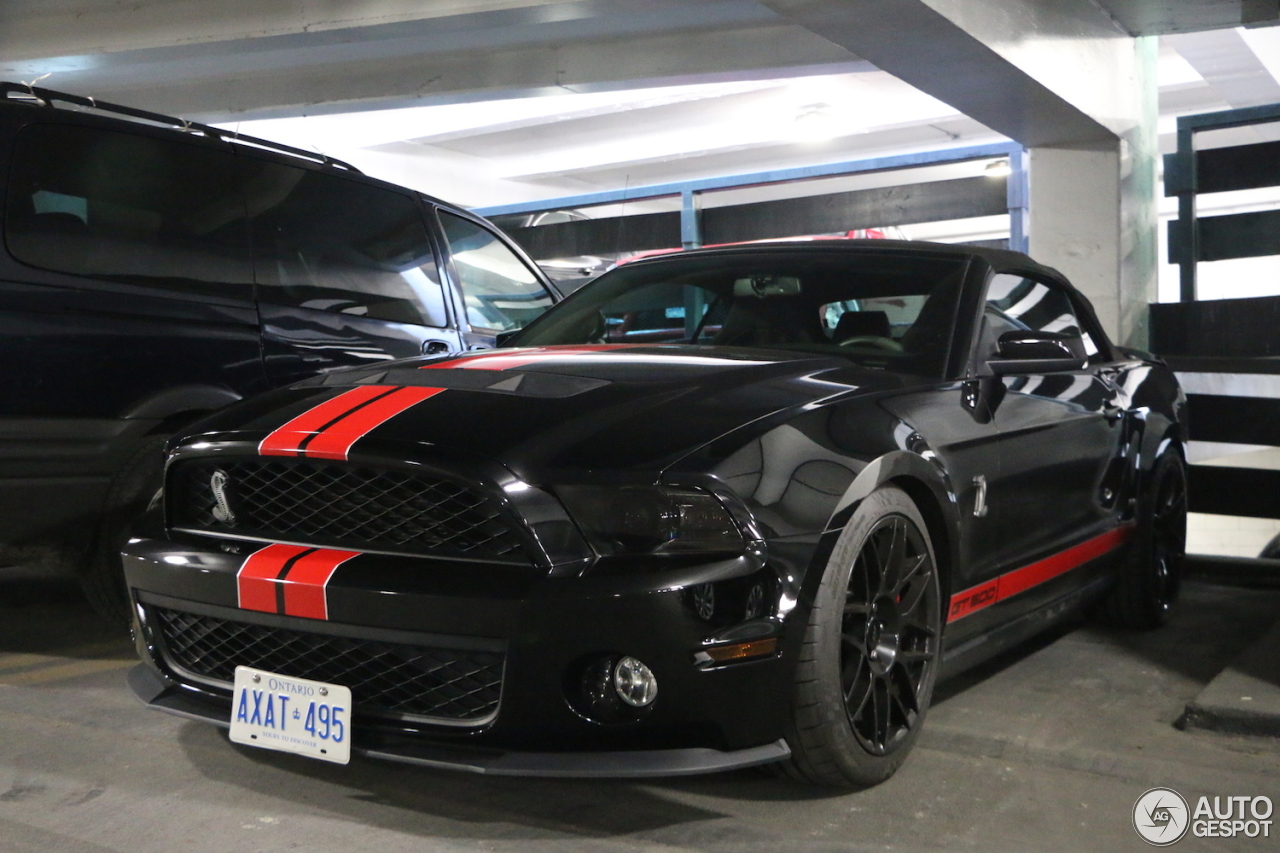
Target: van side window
[324, 242]
[129, 208]
[499, 291]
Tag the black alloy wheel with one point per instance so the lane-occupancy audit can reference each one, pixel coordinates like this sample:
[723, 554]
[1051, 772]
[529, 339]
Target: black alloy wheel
[888, 640]
[870, 655]
[1150, 578]
[1169, 537]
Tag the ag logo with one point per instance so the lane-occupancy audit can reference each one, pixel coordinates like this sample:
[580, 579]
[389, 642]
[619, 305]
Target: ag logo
[221, 508]
[1161, 817]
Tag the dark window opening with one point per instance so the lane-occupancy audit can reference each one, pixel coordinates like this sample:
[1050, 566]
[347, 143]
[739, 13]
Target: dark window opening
[332, 244]
[128, 208]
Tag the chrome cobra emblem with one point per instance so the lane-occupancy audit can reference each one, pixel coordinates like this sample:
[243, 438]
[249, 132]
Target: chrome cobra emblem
[221, 509]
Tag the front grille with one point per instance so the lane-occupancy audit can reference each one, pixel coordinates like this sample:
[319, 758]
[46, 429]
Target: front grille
[341, 505]
[386, 679]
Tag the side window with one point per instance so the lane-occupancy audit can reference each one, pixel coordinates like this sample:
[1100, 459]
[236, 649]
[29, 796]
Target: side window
[129, 208]
[324, 242]
[1017, 302]
[499, 291]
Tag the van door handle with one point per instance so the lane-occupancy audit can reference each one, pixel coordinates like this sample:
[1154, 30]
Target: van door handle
[434, 347]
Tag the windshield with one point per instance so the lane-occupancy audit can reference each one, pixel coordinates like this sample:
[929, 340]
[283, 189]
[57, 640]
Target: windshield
[886, 310]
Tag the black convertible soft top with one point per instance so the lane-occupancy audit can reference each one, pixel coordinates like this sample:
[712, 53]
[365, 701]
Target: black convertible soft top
[1000, 260]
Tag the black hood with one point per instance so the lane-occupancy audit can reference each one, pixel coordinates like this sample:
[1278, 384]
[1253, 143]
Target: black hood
[552, 411]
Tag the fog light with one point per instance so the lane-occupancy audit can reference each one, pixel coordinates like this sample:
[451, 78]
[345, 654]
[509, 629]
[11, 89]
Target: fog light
[634, 682]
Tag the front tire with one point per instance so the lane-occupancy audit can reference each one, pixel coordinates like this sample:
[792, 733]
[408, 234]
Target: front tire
[869, 659]
[1151, 576]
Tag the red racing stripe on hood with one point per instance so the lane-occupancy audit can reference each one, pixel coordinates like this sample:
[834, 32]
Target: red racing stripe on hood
[289, 439]
[329, 430]
[335, 442]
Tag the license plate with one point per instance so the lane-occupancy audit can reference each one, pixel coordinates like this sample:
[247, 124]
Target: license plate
[290, 714]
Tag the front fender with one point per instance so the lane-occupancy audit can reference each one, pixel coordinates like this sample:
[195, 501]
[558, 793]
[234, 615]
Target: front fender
[892, 466]
[928, 485]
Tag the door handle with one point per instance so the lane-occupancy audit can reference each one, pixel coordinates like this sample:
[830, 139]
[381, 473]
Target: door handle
[434, 347]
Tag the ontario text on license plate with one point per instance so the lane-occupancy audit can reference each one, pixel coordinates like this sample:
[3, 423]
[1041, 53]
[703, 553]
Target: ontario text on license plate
[291, 715]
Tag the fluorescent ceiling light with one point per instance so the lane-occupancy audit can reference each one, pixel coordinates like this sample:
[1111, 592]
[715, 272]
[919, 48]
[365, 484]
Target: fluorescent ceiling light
[998, 169]
[814, 123]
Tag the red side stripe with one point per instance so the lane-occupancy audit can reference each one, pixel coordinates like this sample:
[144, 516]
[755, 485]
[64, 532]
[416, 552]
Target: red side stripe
[1020, 580]
[1050, 567]
[974, 598]
[256, 579]
[336, 441]
[287, 440]
[305, 591]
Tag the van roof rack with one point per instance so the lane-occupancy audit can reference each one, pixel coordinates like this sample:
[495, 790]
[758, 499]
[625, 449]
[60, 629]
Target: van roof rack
[47, 97]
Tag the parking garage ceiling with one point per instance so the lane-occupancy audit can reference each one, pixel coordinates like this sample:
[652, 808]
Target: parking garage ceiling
[538, 99]
[1162, 17]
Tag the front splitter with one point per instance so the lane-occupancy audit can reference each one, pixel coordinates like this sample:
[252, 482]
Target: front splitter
[637, 764]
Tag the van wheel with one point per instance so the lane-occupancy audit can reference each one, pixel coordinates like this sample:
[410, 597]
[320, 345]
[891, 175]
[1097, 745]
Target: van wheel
[102, 578]
[866, 670]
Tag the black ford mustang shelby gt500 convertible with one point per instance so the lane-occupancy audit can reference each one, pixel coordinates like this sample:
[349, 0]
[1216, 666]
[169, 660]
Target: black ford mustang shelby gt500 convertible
[716, 509]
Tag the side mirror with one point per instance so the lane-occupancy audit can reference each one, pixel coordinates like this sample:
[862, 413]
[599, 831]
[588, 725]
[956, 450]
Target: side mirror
[1026, 351]
[503, 337]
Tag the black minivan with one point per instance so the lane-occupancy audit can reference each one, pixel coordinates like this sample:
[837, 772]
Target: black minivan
[155, 270]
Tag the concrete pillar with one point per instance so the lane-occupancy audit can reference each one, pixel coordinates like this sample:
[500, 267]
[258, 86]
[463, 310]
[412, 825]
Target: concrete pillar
[1093, 213]
[1060, 77]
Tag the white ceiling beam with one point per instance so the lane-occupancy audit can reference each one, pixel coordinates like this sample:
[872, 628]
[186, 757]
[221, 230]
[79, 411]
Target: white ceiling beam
[1162, 17]
[219, 58]
[40, 29]
[1043, 73]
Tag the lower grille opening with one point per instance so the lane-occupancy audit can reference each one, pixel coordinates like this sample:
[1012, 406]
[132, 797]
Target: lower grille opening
[400, 681]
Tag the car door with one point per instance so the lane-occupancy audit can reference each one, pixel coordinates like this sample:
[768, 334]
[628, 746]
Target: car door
[1060, 432]
[497, 290]
[346, 270]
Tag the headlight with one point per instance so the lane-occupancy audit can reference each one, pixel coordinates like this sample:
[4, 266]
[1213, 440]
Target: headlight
[651, 519]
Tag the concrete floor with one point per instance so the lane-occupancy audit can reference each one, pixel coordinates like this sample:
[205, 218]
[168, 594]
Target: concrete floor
[1044, 750]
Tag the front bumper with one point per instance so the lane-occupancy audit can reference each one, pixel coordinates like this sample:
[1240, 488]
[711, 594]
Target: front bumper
[629, 764]
[543, 629]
